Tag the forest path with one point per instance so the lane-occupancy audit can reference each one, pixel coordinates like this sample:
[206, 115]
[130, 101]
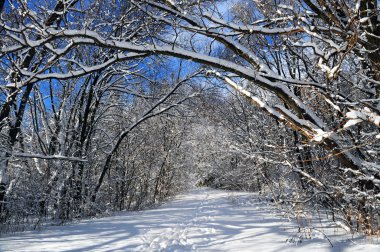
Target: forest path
[200, 220]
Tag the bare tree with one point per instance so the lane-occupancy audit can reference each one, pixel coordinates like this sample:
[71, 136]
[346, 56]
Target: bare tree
[317, 61]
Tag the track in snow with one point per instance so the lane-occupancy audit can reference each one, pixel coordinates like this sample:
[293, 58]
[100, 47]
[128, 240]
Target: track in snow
[200, 220]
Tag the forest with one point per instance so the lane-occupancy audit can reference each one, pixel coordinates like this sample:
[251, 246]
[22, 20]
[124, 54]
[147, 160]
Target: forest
[111, 105]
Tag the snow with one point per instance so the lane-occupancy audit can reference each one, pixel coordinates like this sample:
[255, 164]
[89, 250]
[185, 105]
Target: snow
[364, 114]
[352, 122]
[200, 220]
[45, 157]
[250, 28]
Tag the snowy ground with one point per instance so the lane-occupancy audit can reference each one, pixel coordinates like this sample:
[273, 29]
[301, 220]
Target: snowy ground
[201, 220]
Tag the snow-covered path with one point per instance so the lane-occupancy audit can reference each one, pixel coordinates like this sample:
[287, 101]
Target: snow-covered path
[201, 220]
